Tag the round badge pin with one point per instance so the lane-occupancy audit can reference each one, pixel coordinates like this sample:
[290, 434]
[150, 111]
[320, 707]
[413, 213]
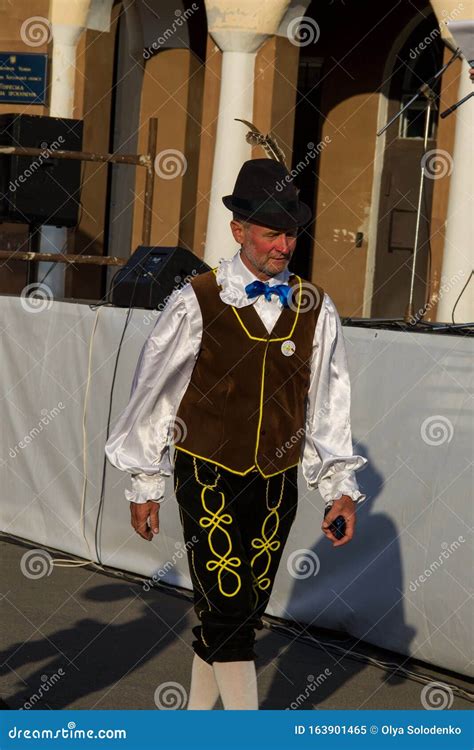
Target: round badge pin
[288, 348]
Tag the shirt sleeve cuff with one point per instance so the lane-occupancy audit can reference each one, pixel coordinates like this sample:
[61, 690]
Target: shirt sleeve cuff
[338, 478]
[146, 488]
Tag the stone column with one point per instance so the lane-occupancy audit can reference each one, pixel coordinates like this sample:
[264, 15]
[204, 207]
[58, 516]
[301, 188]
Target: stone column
[458, 254]
[238, 31]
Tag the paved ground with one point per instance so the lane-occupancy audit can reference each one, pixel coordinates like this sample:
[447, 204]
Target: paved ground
[81, 639]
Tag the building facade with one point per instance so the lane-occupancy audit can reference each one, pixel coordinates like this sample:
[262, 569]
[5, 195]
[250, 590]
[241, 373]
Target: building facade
[324, 79]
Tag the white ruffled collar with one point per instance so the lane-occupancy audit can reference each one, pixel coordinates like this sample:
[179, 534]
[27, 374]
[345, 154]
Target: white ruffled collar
[233, 276]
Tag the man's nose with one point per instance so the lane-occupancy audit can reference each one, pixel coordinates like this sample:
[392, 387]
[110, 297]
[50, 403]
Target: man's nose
[283, 244]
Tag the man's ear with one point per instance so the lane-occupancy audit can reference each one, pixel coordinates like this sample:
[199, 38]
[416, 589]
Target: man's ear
[238, 231]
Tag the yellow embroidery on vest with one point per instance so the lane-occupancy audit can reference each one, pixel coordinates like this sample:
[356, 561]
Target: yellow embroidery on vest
[222, 466]
[233, 471]
[267, 543]
[260, 416]
[255, 466]
[281, 338]
[262, 381]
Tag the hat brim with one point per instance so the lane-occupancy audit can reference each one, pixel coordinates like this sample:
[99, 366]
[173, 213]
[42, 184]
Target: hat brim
[283, 220]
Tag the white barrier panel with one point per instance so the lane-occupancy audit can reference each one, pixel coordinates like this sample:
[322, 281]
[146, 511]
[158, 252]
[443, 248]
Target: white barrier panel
[402, 583]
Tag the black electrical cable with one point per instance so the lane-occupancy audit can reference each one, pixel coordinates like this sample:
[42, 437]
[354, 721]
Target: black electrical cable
[459, 297]
[109, 415]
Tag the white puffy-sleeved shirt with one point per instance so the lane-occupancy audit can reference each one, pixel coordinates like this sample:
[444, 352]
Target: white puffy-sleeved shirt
[139, 442]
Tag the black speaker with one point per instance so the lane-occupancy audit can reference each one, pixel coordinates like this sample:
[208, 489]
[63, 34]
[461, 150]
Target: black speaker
[40, 189]
[152, 273]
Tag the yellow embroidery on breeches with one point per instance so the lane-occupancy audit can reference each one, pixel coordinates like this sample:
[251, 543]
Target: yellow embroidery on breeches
[203, 484]
[267, 543]
[215, 521]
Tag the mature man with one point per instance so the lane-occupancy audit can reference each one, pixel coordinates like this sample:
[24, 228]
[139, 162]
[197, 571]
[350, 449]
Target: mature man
[247, 365]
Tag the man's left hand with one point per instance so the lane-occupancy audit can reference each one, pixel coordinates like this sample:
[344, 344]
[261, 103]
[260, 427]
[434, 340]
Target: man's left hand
[344, 506]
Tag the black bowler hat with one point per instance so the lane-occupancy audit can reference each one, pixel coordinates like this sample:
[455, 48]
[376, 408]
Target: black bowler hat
[264, 194]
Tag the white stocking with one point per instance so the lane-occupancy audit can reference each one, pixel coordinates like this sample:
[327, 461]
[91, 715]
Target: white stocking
[237, 682]
[203, 692]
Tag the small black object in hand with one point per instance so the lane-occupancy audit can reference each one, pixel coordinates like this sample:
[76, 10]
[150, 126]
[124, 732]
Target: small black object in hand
[338, 526]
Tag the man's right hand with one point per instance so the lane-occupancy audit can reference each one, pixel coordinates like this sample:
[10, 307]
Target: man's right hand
[145, 518]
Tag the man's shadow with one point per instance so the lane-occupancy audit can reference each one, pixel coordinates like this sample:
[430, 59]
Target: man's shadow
[355, 589]
[99, 654]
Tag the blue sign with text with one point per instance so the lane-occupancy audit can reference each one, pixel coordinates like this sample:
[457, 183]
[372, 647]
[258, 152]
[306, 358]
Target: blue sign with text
[23, 78]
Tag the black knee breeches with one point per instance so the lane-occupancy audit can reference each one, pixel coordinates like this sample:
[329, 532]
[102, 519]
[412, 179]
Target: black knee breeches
[235, 529]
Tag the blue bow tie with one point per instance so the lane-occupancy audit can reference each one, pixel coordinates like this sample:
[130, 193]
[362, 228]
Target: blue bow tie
[260, 287]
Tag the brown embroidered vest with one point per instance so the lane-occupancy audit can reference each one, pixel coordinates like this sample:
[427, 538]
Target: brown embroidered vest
[244, 407]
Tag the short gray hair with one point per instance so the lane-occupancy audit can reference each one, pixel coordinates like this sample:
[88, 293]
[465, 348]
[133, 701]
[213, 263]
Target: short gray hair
[237, 217]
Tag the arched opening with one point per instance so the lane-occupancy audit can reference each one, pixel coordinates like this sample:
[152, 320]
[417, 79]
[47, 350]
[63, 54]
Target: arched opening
[418, 59]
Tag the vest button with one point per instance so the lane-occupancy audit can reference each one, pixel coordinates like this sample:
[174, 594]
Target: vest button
[263, 432]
